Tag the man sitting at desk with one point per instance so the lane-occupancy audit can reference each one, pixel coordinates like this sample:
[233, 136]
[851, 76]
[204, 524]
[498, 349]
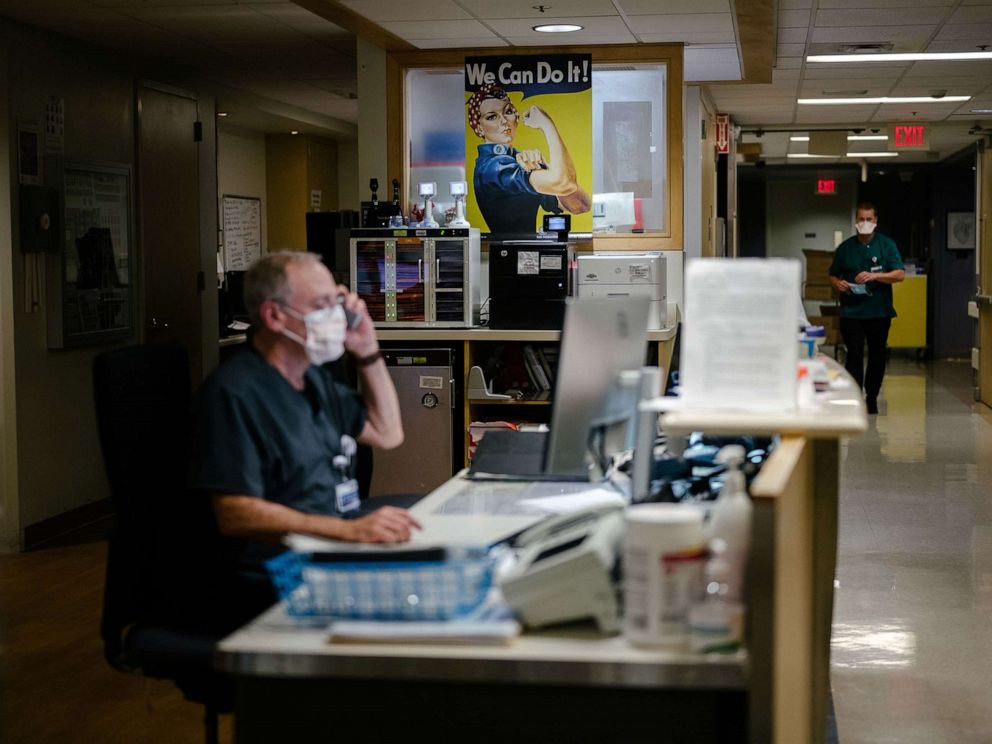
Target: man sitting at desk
[275, 434]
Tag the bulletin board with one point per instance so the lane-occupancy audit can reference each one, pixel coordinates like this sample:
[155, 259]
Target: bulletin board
[242, 225]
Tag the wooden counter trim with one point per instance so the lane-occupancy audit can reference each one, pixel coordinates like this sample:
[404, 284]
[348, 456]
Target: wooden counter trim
[784, 483]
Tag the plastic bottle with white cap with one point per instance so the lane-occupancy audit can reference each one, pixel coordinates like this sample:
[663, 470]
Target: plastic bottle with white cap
[730, 519]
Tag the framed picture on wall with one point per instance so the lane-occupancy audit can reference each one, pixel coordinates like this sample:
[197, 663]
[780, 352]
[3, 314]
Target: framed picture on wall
[960, 231]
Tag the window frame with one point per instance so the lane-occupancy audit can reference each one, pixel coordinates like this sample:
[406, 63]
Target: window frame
[670, 55]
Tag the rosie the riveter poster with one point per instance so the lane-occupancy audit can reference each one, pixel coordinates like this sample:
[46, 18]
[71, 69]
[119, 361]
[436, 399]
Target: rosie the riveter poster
[528, 141]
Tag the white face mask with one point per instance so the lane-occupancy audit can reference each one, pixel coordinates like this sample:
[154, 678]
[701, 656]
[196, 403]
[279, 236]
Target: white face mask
[326, 329]
[865, 227]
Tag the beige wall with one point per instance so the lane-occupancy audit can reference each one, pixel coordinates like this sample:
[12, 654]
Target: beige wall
[59, 460]
[9, 507]
[286, 177]
[348, 194]
[241, 169]
[322, 173]
[294, 166]
[372, 161]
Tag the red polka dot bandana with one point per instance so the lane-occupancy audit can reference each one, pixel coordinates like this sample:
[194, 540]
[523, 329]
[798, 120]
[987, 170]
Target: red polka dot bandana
[484, 93]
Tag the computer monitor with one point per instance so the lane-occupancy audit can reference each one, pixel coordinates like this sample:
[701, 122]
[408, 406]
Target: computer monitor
[602, 338]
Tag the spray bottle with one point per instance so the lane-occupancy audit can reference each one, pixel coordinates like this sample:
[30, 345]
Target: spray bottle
[730, 520]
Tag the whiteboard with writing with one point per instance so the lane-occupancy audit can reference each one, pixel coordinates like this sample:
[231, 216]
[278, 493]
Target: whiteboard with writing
[242, 231]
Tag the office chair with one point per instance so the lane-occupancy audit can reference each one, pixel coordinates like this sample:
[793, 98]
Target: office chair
[142, 397]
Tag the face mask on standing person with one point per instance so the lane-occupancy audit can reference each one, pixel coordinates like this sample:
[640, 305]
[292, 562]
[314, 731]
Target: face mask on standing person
[865, 227]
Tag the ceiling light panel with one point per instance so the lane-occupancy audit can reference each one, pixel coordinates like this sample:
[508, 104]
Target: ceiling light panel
[880, 100]
[591, 25]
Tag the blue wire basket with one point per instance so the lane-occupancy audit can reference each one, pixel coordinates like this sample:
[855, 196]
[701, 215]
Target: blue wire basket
[383, 590]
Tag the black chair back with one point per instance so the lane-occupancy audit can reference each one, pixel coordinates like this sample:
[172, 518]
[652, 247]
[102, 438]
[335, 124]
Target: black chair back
[142, 396]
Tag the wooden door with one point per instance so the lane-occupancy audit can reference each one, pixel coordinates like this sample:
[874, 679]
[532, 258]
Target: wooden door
[169, 218]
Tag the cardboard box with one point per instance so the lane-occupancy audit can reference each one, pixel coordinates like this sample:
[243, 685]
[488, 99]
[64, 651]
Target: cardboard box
[819, 292]
[818, 263]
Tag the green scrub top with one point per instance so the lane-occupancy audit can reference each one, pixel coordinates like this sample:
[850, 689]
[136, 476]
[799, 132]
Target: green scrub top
[851, 258]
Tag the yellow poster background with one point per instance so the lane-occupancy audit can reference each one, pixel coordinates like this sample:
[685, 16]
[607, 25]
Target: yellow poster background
[572, 115]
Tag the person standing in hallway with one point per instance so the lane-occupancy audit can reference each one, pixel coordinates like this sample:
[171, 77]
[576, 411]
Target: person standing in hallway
[864, 268]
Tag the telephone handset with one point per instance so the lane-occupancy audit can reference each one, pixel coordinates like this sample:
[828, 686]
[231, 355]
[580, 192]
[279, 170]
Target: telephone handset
[562, 523]
[354, 319]
[565, 569]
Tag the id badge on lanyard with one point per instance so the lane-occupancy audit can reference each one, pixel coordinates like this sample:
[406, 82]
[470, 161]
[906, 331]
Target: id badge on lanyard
[346, 493]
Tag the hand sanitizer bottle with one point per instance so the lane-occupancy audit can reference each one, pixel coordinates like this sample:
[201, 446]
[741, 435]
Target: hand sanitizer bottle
[716, 623]
[730, 519]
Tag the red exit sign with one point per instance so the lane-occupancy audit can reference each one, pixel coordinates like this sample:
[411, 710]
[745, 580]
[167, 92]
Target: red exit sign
[909, 137]
[826, 186]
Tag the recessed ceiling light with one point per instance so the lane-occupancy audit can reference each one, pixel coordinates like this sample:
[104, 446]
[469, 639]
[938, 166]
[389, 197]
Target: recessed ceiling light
[295, 131]
[221, 114]
[850, 137]
[899, 57]
[882, 99]
[557, 28]
[848, 155]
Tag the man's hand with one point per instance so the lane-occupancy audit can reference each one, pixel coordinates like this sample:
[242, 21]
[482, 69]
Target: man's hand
[388, 524]
[840, 284]
[864, 277]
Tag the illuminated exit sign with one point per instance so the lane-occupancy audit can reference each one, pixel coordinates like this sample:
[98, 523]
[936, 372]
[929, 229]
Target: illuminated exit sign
[909, 137]
[826, 186]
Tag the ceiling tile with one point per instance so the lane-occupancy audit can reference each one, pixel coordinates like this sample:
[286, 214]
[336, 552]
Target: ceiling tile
[981, 32]
[491, 9]
[794, 18]
[862, 16]
[792, 36]
[693, 22]
[912, 88]
[720, 37]
[788, 63]
[378, 11]
[912, 35]
[895, 4]
[982, 70]
[971, 14]
[849, 72]
[437, 29]
[711, 63]
[215, 23]
[955, 45]
[480, 43]
[652, 7]
[795, 4]
[782, 75]
[791, 50]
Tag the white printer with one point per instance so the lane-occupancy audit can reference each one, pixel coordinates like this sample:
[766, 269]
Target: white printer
[626, 275]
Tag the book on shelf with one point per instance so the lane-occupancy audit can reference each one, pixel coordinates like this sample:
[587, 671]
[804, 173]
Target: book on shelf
[542, 357]
[535, 369]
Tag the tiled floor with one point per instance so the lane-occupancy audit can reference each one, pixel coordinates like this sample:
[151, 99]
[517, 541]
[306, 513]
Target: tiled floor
[912, 634]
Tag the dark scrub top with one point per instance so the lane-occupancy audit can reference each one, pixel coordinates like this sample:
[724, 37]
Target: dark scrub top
[502, 189]
[256, 435]
[851, 258]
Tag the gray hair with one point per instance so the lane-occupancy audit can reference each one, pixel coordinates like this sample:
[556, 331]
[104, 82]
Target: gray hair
[266, 280]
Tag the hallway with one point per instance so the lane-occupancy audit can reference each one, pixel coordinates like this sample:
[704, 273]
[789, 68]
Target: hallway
[912, 633]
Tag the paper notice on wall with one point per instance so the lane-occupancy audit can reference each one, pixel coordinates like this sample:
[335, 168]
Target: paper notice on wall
[739, 349]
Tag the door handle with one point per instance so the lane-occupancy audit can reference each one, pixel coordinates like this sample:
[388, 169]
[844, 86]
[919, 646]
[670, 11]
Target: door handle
[420, 271]
[437, 270]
